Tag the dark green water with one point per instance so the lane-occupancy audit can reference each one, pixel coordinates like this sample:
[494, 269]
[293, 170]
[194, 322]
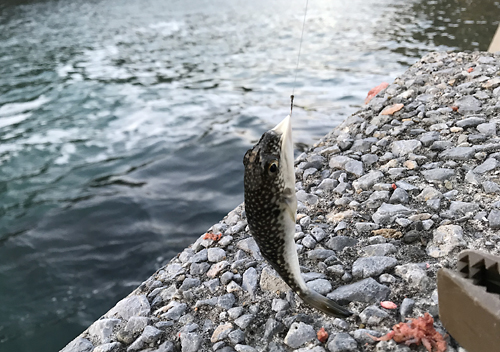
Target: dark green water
[123, 125]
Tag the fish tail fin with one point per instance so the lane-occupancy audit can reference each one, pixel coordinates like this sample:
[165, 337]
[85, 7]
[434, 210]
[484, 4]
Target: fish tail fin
[324, 304]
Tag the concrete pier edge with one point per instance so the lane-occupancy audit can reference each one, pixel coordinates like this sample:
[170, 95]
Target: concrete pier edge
[387, 198]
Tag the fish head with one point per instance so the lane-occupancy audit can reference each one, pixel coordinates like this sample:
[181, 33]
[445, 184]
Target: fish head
[269, 169]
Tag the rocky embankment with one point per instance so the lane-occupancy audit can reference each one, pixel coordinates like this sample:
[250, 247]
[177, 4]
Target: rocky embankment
[385, 200]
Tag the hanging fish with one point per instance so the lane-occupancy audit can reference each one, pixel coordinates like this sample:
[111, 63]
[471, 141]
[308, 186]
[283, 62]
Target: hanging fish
[271, 207]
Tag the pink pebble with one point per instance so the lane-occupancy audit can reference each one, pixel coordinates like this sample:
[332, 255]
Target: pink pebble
[388, 305]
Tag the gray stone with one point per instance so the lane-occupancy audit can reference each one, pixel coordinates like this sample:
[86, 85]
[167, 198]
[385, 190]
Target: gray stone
[342, 187]
[108, 347]
[429, 137]
[321, 286]
[102, 329]
[439, 174]
[338, 243]
[305, 197]
[198, 269]
[458, 153]
[445, 239]
[403, 222]
[340, 324]
[472, 121]
[318, 233]
[272, 328]
[305, 221]
[406, 308]
[270, 281]
[399, 196]
[451, 195]
[411, 236]
[340, 226]
[471, 177]
[364, 145]
[488, 129]
[189, 283]
[250, 246]
[441, 145]
[380, 249]
[227, 349]
[365, 182]
[386, 157]
[149, 336]
[79, 345]
[429, 193]
[299, 334]
[361, 336]
[175, 312]
[434, 204]
[244, 321]
[369, 159]
[327, 184]
[342, 342]
[339, 161]
[216, 254]
[236, 337]
[367, 290]
[372, 315]
[468, 104]
[206, 302]
[387, 213]
[405, 147]
[491, 187]
[212, 284]
[494, 219]
[387, 278]
[312, 276]
[244, 348]
[132, 329]
[201, 256]
[462, 208]
[250, 279]
[320, 254]
[308, 242]
[186, 255]
[190, 342]
[366, 226]
[135, 305]
[279, 305]
[235, 312]
[377, 198]
[226, 301]
[372, 266]
[355, 167]
[488, 165]
[309, 172]
[413, 274]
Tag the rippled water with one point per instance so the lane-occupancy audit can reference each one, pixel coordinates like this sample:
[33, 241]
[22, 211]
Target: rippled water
[123, 125]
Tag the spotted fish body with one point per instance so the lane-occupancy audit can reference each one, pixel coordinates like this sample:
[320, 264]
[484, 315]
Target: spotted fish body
[271, 207]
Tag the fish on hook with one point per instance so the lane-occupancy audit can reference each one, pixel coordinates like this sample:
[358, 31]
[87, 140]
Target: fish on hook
[271, 209]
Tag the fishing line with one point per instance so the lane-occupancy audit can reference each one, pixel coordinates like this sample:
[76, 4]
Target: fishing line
[298, 59]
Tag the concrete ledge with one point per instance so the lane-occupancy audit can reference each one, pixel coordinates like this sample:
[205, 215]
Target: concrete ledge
[386, 199]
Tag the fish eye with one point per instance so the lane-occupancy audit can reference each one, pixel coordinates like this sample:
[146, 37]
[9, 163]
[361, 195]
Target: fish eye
[273, 167]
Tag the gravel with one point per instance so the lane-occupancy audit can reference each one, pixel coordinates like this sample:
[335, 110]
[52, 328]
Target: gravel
[384, 202]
